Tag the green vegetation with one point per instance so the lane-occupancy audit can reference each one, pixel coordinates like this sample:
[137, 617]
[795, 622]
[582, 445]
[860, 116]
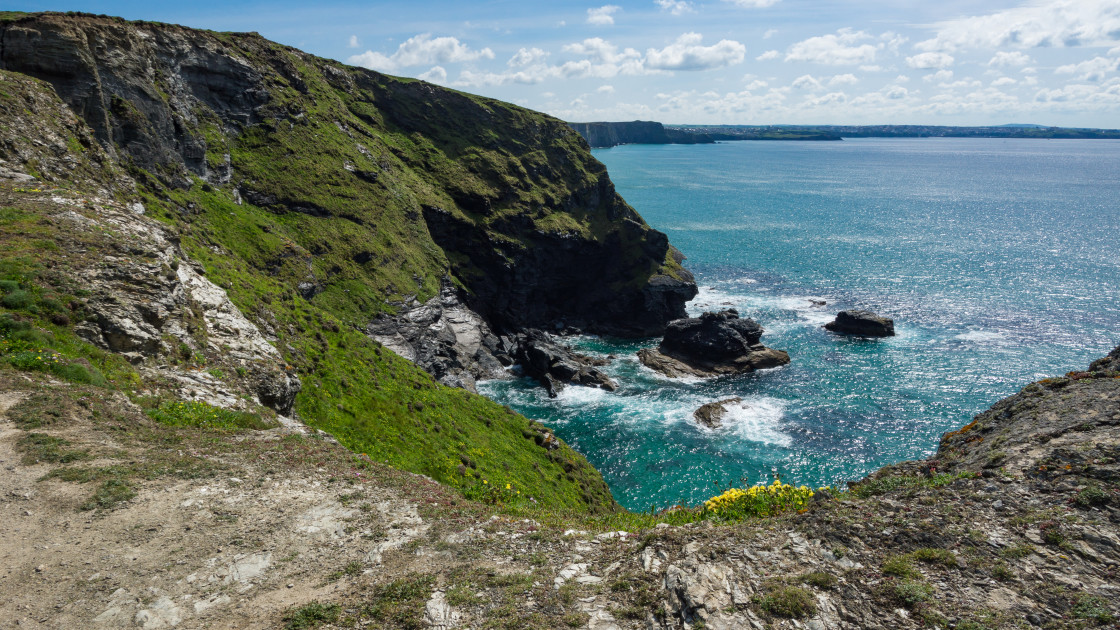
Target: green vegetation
[38, 448]
[400, 604]
[884, 483]
[820, 579]
[311, 615]
[789, 602]
[111, 493]
[761, 500]
[196, 413]
[1093, 608]
[910, 593]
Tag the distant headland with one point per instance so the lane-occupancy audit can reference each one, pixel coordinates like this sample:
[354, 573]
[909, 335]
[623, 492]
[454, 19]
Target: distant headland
[609, 134]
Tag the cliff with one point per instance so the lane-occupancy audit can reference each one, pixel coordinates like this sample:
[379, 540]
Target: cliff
[197, 431]
[389, 184]
[610, 134]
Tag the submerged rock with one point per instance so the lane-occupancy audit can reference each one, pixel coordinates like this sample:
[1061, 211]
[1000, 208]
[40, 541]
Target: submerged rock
[714, 343]
[711, 414]
[861, 323]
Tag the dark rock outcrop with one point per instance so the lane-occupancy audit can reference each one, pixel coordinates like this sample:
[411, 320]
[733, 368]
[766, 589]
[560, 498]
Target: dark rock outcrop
[609, 134]
[711, 414]
[862, 324]
[714, 343]
[555, 365]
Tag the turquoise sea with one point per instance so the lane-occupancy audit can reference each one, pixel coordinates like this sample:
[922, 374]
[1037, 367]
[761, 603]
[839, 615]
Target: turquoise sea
[999, 261]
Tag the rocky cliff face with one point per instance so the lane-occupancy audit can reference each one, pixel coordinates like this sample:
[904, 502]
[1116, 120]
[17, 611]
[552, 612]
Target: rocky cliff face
[409, 181]
[610, 134]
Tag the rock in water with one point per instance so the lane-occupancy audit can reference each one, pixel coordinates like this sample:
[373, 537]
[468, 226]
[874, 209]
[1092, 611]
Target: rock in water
[711, 414]
[861, 323]
[714, 343]
[555, 365]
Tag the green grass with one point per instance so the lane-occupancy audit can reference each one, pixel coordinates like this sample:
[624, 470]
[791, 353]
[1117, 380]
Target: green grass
[196, 413]
[39, 448]
[400, 603]
[311, 615]
[109, 495]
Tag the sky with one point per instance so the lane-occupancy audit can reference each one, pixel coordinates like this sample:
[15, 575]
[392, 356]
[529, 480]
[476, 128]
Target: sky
[758, 62]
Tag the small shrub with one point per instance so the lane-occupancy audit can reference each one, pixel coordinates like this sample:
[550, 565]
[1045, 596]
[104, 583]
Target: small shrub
[1091, 496]
[790, 602]
[935, 556]
[910, 593]
[1016, 552]
[1052, 532]
[17, 300]
[1092, 607]
[899, 566]
[110, 494]
[820, 579]
[8, 286]
[311, 615]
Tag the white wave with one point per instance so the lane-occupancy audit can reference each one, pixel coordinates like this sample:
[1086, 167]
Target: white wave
[754, 420]
[758, 420]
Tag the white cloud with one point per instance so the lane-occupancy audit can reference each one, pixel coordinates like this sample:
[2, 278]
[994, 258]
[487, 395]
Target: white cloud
[526, 57]
[687, 53]
[940, 75]
[753, 4]
[605, 89]
[770, 33]
[1050, 23]
[872, 68]
[438, 74]
[676, 7]
[769, 54]
[843, 79]
[896, 92]
[902, 78]
[1095, 69]
[806, 82]
[603, 16]
[1002, 81]
[930, 60]
[839, 49]
[1003, 59]
[420, 50]
[353, 43]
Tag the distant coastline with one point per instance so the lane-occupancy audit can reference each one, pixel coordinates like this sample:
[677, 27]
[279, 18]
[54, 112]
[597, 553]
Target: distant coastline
[608, 134]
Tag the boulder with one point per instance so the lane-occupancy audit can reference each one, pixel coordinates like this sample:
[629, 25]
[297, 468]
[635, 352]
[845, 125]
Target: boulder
[862, 324]
[555, 365]
[711, 414]
[714, 343]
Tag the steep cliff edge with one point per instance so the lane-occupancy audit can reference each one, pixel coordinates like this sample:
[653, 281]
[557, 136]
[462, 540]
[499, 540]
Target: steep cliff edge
[610, 134]
[388, 183]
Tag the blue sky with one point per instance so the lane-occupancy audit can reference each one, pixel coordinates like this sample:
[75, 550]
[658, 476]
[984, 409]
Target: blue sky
[717, 61]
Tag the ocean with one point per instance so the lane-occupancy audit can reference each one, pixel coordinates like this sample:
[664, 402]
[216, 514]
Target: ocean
[998, 259]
